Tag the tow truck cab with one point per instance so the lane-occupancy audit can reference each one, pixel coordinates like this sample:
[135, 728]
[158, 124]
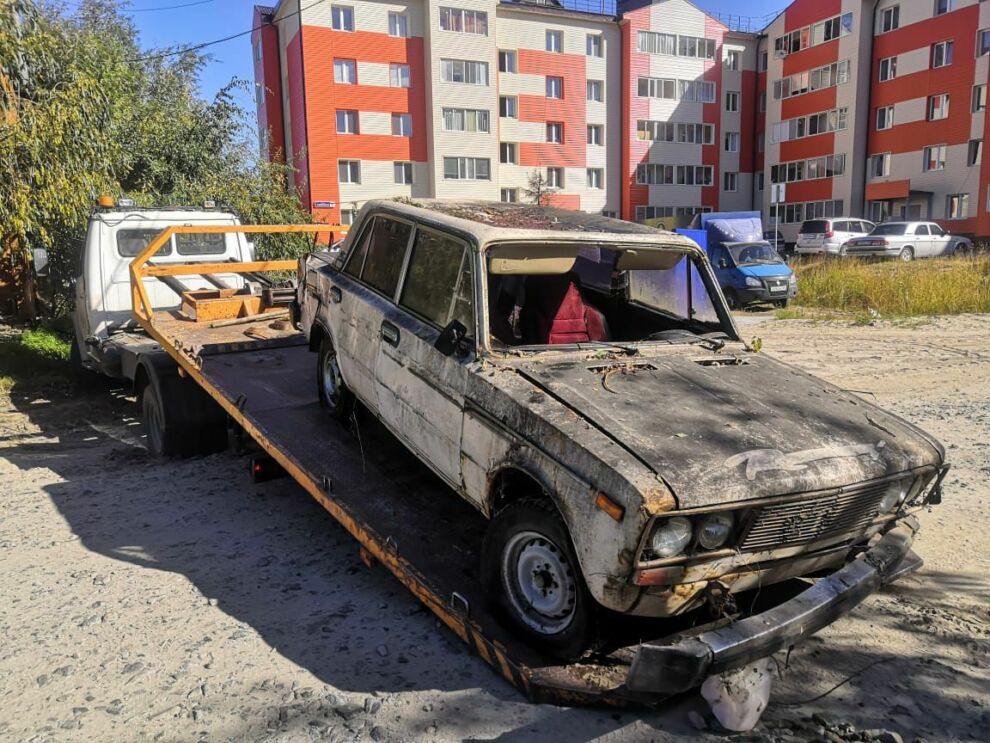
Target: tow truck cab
[106, 338]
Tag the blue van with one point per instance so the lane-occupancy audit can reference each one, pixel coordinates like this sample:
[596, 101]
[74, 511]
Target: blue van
[747, 267]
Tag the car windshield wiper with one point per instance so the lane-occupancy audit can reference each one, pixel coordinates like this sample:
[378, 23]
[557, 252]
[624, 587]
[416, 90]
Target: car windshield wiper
[627, 350]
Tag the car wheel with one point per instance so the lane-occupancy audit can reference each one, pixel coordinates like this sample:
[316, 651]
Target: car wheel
[732, 299]
[335, 398]
[529, 564]
[906, 254]
[844, 250]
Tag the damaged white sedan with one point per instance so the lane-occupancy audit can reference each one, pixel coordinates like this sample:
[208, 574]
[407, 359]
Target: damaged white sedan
[580, 381]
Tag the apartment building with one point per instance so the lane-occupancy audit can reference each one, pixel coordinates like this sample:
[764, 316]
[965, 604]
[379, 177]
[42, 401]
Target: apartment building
[644, 109]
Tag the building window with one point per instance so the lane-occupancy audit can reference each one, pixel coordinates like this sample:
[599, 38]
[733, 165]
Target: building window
[555, 177]
[596, 178]
[764, 61]
[938, 107]
[694, 175]
[595, 134]
[555, 41]
[596, 90]
[347, 122]
[555, 132]
[668, 131]
[507, 62]
[760, 179]
[259, 94]
[888, 69]
[702, 92]
[824, 166]
[732, 59]
[885, 117]
[345, 71]
[652, 42]
[594, 45]
[880, 165]
[695, 46]
[975, 156]
[730, 182]
[464, 71]
[466, 120]
[466, 169]
[342, 17]
[508, 106]
[464, 21]
[398, 75]
[983, 42]
[509, 195]
[732, 141]
[890, 18]
[653, 212]
[349, 171]
[654, 174]
[944, 6]
[507, 153]
[608, 213]
[402, 125]
[835, 120]
[957, 206]
[555, 87]
[398, 25]
[731, 102]
[935, 157]
[942, 54]
[403, 173]
[257, 50]
[347, 216]
[979, 98]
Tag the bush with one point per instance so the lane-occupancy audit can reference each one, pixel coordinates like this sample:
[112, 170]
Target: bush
[33, 358]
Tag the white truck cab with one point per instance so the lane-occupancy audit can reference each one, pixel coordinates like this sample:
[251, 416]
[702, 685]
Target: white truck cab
[105, 333]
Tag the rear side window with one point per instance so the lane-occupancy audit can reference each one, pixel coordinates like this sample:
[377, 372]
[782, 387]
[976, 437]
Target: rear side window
[131, 242]
[921, 229]
[438, 285]
[814, 227]
[377, 261]
[201, 244]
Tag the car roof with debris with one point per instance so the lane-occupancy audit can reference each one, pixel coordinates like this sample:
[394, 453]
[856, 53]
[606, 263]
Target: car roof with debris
[495, 222]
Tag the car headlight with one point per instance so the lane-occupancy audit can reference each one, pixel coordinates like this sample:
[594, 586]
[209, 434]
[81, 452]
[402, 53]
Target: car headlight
[671, 537]
[750, 281]
[895, 495]
[714, 530]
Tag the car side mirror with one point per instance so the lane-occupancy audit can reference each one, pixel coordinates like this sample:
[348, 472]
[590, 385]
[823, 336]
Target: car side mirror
[723, 264]
[453, 340]
[39, 257]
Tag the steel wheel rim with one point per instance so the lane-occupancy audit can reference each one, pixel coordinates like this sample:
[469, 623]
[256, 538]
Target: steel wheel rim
[539, 581]
[331, 378]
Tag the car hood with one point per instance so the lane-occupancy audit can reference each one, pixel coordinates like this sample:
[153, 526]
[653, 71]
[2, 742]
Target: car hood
[765, 270]
[734, 431]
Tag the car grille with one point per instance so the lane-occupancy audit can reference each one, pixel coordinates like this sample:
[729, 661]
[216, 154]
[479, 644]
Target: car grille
[775, 282]
[849, 512]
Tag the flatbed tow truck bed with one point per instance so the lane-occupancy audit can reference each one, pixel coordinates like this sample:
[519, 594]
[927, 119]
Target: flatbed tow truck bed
[401, 514]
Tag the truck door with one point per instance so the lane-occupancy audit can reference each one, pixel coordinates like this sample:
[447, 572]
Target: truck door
[361, 295]
[421, 390]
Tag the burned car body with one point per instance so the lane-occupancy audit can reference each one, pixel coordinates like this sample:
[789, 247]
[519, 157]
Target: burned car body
[580, 381]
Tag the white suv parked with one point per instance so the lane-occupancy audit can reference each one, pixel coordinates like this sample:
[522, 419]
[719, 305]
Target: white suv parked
[830, 236]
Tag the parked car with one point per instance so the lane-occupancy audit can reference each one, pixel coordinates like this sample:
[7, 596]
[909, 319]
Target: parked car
[776, 240]
[907, 241]
[580, 382]
[830, 236]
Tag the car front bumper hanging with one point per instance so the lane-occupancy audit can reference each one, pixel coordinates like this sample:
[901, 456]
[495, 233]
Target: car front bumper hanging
[674, 668]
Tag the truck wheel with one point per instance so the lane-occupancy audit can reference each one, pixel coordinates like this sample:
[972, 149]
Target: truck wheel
[180, 419]
[529, 564]
[335, 398]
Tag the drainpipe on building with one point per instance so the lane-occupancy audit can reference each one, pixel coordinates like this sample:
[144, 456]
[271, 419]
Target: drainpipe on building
[757, 201]
[869, 111]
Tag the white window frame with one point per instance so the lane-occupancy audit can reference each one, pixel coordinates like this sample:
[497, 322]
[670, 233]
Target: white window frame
[342, 17]
[511, 108]
[731, 143]
[555, 41]
[596, 135]
[934, 149]
[343, 66]
[351, 120]
[555, 87]
[974, 152]
[596, 91]
[451, 69]
[961, 203]
[401, 130]
[467, 168]
[404, 168]
[979, 96]
[887, 65]
[508, 153]
[943, 6]
[733, 59]
[889, 20]
[883, 160]
[458, 20]
[555, 132]
[932, 108]
[594, 45]
[888, 118]
[460, 120]
[947, 48]
[398, 25]
[399, 73]
[509, 195]
[983, 42]
[730, 182]
[352, 168]
[732, 101]
[510, 57]
[596, 178]
[555, 177]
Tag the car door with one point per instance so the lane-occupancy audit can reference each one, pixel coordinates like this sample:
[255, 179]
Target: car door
[940, 239]
[361, 295]
[420, 389]
[922, 241]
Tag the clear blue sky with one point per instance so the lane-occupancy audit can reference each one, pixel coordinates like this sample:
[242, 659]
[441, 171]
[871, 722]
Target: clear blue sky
[214, 19]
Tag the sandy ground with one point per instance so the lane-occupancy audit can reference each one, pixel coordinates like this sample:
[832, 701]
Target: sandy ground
[175, 601]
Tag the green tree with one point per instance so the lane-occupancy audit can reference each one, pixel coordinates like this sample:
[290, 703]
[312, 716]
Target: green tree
[84, 111]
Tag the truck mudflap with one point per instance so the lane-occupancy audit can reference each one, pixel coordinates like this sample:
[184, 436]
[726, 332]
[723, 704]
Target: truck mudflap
[669, 669]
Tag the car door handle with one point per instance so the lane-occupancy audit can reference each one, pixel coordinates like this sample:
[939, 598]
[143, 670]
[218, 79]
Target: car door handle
[335, 295]
[390, 333]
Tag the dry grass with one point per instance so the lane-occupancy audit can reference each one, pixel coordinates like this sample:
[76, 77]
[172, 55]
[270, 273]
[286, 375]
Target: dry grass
[948, 286]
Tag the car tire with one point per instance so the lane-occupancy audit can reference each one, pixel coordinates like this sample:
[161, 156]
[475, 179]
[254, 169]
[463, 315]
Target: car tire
[732, 299]
[906, 254]
[335, 397]
[528, 563]
[844, 250]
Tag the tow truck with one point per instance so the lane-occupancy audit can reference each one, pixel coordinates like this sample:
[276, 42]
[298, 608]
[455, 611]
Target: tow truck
[218, 354]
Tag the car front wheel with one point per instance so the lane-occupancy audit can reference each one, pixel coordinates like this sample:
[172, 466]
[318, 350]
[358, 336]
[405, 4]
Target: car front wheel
[335, 398]
[529, 564]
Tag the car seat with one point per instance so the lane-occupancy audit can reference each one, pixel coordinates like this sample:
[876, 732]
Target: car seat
[555, 313]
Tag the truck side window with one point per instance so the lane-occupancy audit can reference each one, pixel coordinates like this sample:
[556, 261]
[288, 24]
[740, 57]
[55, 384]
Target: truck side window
[439, 285]
[386, 252]
[201, 244]
[131, 242]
